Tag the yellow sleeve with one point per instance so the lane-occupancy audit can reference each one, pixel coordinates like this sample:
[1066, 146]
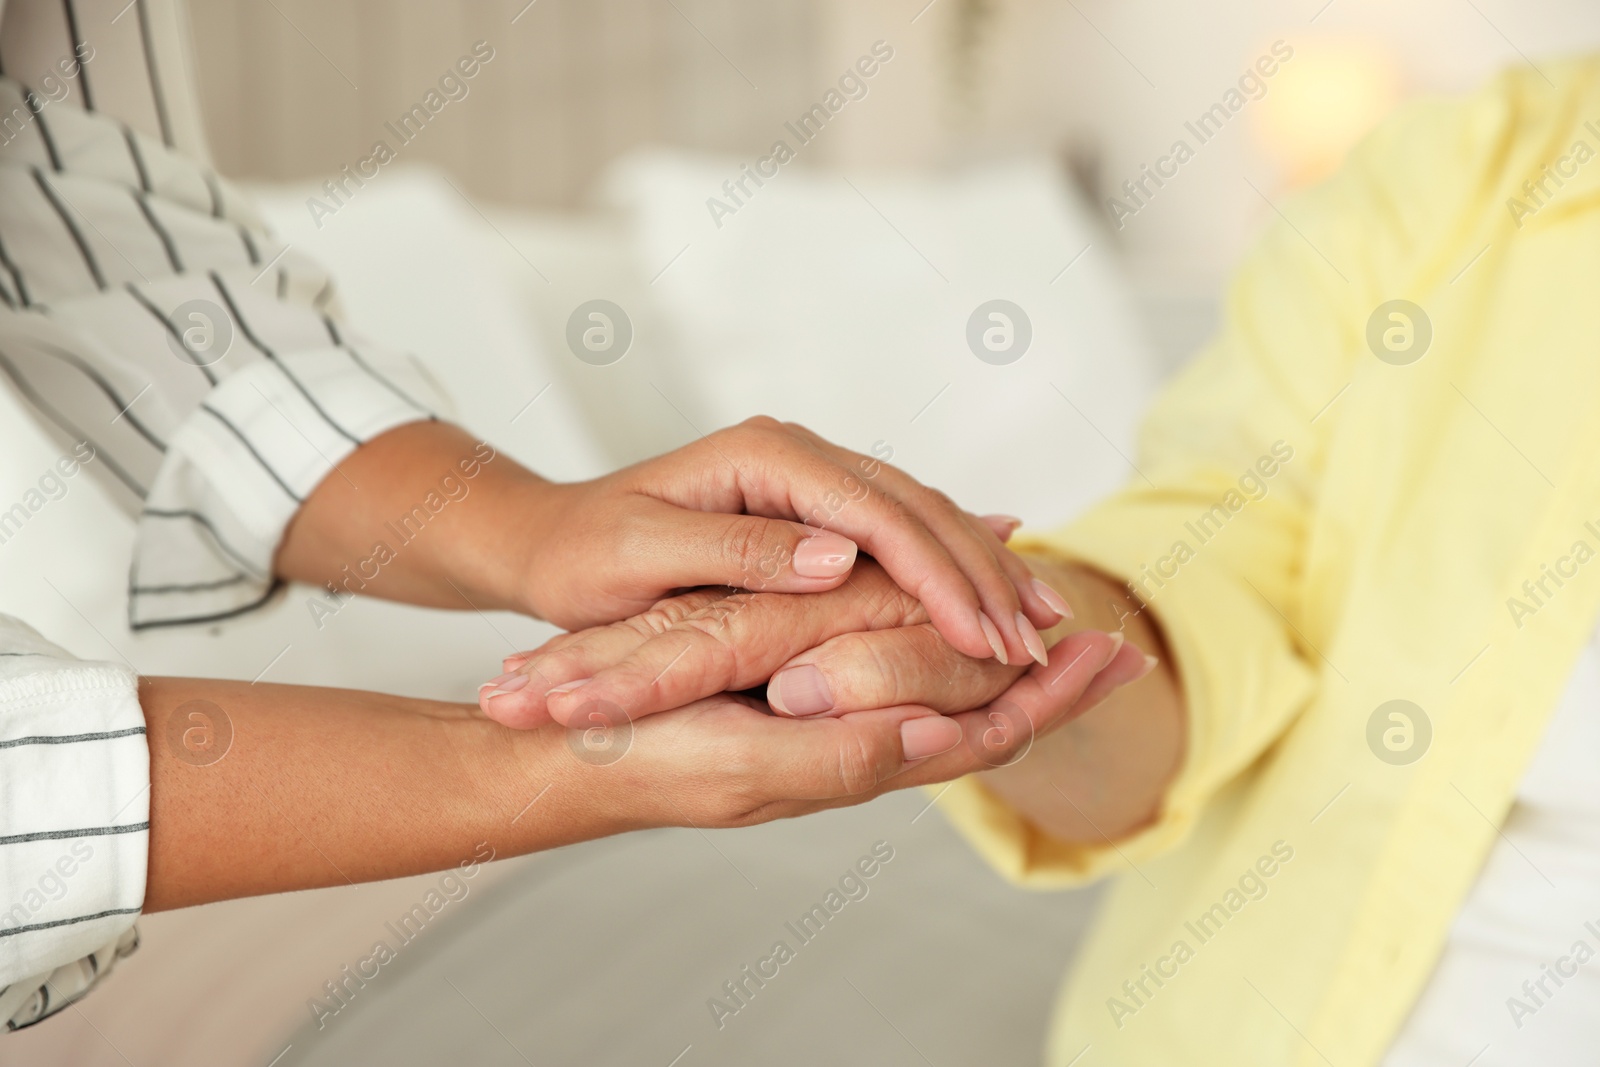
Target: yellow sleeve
[1212, 532]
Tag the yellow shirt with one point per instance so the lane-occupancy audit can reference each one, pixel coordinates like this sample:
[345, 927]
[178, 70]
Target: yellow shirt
[1321, 531]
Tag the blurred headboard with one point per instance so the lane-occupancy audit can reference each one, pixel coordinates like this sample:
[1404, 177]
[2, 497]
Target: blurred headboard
[301, 88]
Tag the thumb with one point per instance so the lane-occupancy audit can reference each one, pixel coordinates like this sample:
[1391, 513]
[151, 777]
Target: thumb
[685, 548]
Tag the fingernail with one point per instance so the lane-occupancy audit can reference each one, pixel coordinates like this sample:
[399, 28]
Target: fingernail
[992, 635]
[566, 687]
[506, 683]
[1054, 600]
[1149, 665]
[824, 555]
[1116, 644]
[1031, 640]
[799, 691]
[1003, 525]
[928, 736]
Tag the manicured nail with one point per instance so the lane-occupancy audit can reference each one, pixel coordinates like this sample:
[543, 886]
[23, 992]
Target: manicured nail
[928, 736]
[824, 555]
[992, 635]
[799, 691]
[1053, 600]
[1032, 641]
[1149, 665]
[1116, 644]
[1003, 525]
[506, 683]
[566, 687]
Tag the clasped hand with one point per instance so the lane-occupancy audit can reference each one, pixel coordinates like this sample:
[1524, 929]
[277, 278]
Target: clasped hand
[782, 703]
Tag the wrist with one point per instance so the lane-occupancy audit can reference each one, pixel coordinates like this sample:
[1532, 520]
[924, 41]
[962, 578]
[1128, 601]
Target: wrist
[551, 786]
[384, 786]
[540, 509]
[522, 791]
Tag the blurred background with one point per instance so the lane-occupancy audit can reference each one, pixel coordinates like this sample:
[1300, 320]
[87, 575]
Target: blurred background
[1097, 87]
[601, 151]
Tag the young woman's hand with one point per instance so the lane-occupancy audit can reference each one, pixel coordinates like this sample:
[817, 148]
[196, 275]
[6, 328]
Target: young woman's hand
[771, 507]
[441, 786]
[428, 515]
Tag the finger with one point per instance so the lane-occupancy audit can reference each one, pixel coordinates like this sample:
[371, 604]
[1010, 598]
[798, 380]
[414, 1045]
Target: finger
[894, 517]
[1038, 702]
[934, 518]
[520, 697]
[733, 644]
[1002, 525]
[1052, 694]
[947, 522]
[730, 765]
[791, 471]
[852, 755]
[1043, 606]
[1128, 665]
[860, 670]
[517, 659]
[674, 547]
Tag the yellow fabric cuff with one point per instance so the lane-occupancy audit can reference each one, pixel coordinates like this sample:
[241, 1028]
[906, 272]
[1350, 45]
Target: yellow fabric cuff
[1241, 675]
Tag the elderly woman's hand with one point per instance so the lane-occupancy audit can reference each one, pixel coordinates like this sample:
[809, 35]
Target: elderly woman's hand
[865, 645]
[723, 761]
[711, 641]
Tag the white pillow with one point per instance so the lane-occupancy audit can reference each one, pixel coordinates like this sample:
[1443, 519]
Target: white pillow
[421, 271]
[842, 301]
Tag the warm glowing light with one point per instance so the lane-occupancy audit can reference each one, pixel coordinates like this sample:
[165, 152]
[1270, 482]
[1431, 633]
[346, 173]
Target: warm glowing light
[1322, 102]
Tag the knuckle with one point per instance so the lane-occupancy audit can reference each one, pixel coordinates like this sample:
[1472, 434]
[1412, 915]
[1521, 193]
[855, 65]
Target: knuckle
[762, 423]
[752, 436]
[715, 619]
[657, 621]
[903, 609]
[895, 511]
[653, 673]
[865, 666]
[672, 609]
[713, 636]
[750, 540]
[651, 623]
[938, 499]
[711, 630]
[858, 766]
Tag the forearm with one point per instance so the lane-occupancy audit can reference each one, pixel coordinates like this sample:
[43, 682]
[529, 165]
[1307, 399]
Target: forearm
[323, 786]
[1102, 775]
[424, 514]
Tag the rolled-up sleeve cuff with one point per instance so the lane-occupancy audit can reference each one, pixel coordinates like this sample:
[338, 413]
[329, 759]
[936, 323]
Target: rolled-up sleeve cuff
[74, 816]
[240, 467]
[1242, 681]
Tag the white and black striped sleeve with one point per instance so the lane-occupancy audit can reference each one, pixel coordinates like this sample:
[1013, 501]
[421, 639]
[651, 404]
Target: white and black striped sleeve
[148, 315]
[74, 822]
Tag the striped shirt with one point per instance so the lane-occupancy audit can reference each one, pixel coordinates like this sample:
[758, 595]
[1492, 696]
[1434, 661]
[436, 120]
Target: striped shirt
[146, 313]
[74, 824]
